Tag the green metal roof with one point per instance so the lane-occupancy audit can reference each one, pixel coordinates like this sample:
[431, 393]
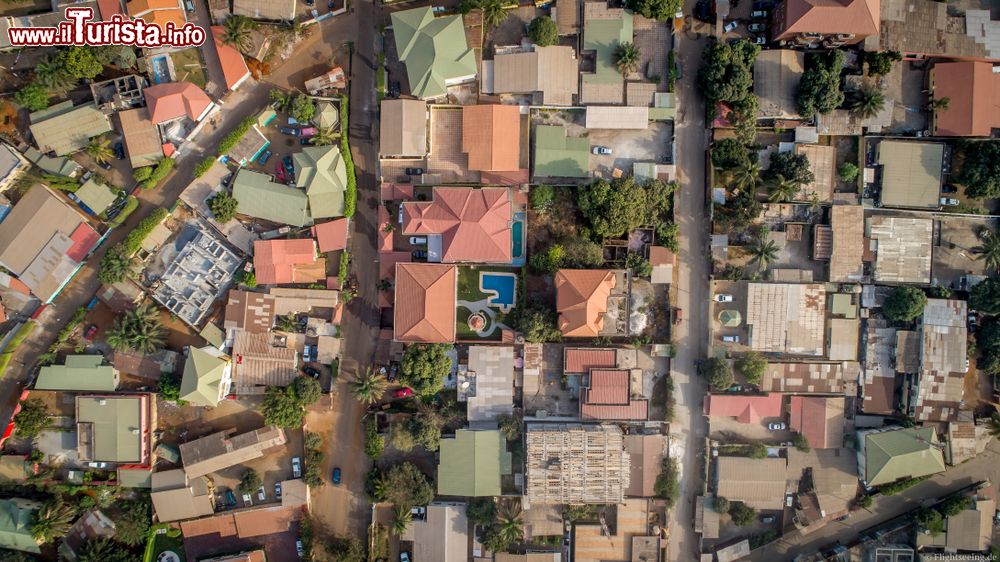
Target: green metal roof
[261, 198]
[559, 156]
[63, 128]
[901, 453]
[96, 196]
[472, 462]
[81, 373]
[203, 374]
[213, 335]
[603, 36]
[323, 174]
[135, 477]
[434, 50]
[16, 519]
[59, 165]
[327, 115]
[117, 426]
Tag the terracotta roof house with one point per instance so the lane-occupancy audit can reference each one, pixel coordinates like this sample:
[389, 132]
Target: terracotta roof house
[258, 364]
[434, 50]
[278, 262]
[157, 12]
[491, 136]
[63, 128]
[830, 23]
[142, 139]
[331, 235]
[403, 128]
[887, 456]
[322, 173]
[820, 419]
[262, 198]
[108, 8]
[582, 300]
[759, 483]
[580, 360]
[608, 396]
[463, 224]
[222, 450]
[973, 93]
[175, 100]
[746, 409]
[207, 376]
[43, 241]
[429, 291]
[234, 66]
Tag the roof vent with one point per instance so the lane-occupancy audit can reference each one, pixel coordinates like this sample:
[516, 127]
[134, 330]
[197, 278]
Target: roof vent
[102, 402]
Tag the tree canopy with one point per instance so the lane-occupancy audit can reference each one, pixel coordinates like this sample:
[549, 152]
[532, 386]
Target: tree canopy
[988, 343]
[728, 154]
[739, 211]
[660, 10]
[819, 88]
[981, 169]
[537, 323]
[904, 304]
[717, 372]
[742, 513]
[424, 367]
[752, 365]
[617, 207]
[406, 486]
[543, 31]
[984, 297]
[32, 419]
[32, 97]
[223, 207]
[791, 166]
[727, 74]
[286, 407]
[132, 521]
[880, 62]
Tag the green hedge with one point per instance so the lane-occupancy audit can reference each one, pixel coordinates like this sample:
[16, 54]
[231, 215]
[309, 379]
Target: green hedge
[204, 166]
[128, 209]
[234, 136]
[133, 242]
[345, 260]
[22, 334]
[5, 358]
[163, 167]
[351, 194]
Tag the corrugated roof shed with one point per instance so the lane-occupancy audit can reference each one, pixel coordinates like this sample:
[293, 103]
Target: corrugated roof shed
[759, 483]
[575, 463]
[96, 196]
[911, 173]
[786, 318]
[443, 534]
[258, 364]
[843, 339]
[848, 244]
[888, 456]
[471, 463]
[822, 159]
[492, 388]
[141, 137]
[818, 378]
[218, 451]
[617, 117]
[403, 128]
[902, 248]
[646, 454]
[79, 373]
[943, 360]
[113, 428]
[262, 198]
[63, 128]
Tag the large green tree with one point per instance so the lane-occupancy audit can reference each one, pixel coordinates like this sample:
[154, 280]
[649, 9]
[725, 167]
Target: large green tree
[660, 10]
[794, 167]
[117, 265]
[739, 211]
[727, 73]
[139, 329]
[904, 304]
[820, 88]
[728, 154]
[867, 101]
[880, 62]
[627, 57]
[223, 207]
[238, 32]
[32, 418]
[424, 367]
[763, 251]
[536, 323]
[617, 207]
[988, 249]
[80, 62]
[494, 13]
[52, 520]
[742, 513]
[369, 386]
[407, 486]
[980, 171]
[717, 372]
[32, 97]
[132, 521]
[985, 296]
[250, 481]
[752, 365]
[988, 343]
[543, 31]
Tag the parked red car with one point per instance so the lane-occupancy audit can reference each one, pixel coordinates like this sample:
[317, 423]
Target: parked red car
[402, 392]
[91, 331]
[279, 172]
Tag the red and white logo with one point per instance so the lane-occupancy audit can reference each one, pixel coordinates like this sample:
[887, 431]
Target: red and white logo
[80, 29]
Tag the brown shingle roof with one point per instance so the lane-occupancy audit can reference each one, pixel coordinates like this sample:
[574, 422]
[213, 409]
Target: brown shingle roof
[582, 299]
[253, 312]
[491, 136]
[141, 137]
[425, 297]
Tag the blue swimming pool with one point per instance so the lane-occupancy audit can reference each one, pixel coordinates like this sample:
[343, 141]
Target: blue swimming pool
[502, 288]
[517, 239]
[161, 70]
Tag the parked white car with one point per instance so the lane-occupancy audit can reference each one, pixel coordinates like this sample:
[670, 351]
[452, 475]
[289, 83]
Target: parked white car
[601, 150]
[731, 339]
[722, 297]
[418, 240]
[776, 426]
[949, 202]
[261, 494]
[297, 467]
[247, 500]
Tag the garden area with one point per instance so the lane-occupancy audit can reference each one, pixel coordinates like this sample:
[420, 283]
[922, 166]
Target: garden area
[486, 296]
[165, 539]
[189, 67]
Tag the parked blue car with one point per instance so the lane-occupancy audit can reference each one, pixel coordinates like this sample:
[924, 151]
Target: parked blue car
[336, 475]
[264, 156]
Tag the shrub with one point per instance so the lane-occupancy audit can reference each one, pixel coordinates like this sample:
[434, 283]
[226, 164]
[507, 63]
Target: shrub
[351, 192]
[32, 419]
[130, 206]
[142, 174]
[223, 207]
[22, 334]
[162, 169]
[865, 501]
[313, 445]
[204, 166]
[639, 265]
[344, 268]
[801, 443]
[666, 486]
[757, 451]
[722, 505]
[169, 387]
[717, 372]
[542, 196]
[752, 365]
[229, 141]
[424, 367]
[374, 443]
[250, 481]
[742, 514]
[900, 485]
[32, 97]
[848, 172]
[248, 278]
[543, 31]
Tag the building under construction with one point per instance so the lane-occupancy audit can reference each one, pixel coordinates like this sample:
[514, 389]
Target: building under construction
[573, 463]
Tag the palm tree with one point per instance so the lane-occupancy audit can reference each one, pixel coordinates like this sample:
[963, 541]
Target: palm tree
[139, 329]
[117, 265]
[868, 102]
[941, 103]
[747, 176]
[763, 252]
[99, 149]
[325, 137]
[989, 249]
[295, 29]
[237, 32]
[98, 550]
[781, 189]
[369, 386]
[52, 521]
[510, 522]
[627, 58]
[993, 426]
[494, 13]
[402, 519]
[51, 74]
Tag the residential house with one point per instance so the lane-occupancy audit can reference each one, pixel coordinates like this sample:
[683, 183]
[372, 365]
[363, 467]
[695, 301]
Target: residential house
[582, 300]
[911, 173]
[171, 101]
[81, 373]
[331, 236]
[17, 517]
[486, 384]
[628, 540]
[271, 529]
[44, 241]
[429, 292]
[805, 23]
[937, 392]
[259, 363]
[463, 224]
[12, 165]
[92, 525]
[114, 428]
[820, 419]
[582, 360]
[222, 449]
[260, 197]
[157, 12]
[207, 377]
[234, 66]
[848, 243]
[970, 530]
[744, 408]
[280, 10]
[972, 89]
[443, 534]
[63, 128]
[250, 312]
[550, 73]
[59, 165]
[828, 478]
[811, 378]
[434, 51]
[575, 463]
[921, 29]
[176, 496]
[786, 318]
[646, 453]
[403, 128]
[885, 456]
[142, 138]
[491, 136]
[902, 247]
[558, 155]
[95, 196]
[759, 483]
[604, 28]
[613, 394]
[280, 262]
[776, 74]
[472, 462]
[733, 552]
[322, 173]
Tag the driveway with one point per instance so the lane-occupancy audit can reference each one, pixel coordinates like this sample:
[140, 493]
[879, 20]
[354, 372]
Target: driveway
[688, 431]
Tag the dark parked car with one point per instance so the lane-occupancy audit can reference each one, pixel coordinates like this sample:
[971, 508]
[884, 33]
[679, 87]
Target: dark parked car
[264, 157]
[336, 475]
[703, 11]
[305, 141]
[393, 89]
[414, 171]
[420, 255]
[948, 188]
[290, 131]
[289, 166]
[757, 27]
[230, 499]
[119, 151]
[330, 5]
[105, 165]
[311, 371]
[763, 5]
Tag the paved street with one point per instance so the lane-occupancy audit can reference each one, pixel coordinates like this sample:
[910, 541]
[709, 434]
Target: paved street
[689, 428]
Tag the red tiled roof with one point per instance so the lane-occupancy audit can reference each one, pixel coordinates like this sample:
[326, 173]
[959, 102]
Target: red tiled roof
[331, 236]
[633, 410]
[387, 271]
[808, 417]
[109, 8]
[582, 360]
[274, 261]
[608, 386]
[660, 255]
[973, 93]
[175, 99]
[746, 409]
[428, 291]
[582, 299]
[384, 238]
[84, 238]
[491, 136]
[830, 17]
[396, 191]
[168, 149]
[234, 67]
[474, 224]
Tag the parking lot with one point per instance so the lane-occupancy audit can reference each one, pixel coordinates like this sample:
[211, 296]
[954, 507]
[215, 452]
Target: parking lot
[952, 257]
[728, 318]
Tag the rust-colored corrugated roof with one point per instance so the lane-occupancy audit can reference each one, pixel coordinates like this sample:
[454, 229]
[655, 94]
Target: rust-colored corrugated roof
[661, 255]
[582, 299]
[175, 99]
[491, 136]
[973, 93]
[746, 409]
[582, 360]
[428, 293]
[831, 17]
[141, 137]
[275, 261]
[819, 419]
[253, 312]
[474, 224]
[234, 67]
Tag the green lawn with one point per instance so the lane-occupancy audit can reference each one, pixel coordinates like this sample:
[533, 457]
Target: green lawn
[189, 67]
[163, 543]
